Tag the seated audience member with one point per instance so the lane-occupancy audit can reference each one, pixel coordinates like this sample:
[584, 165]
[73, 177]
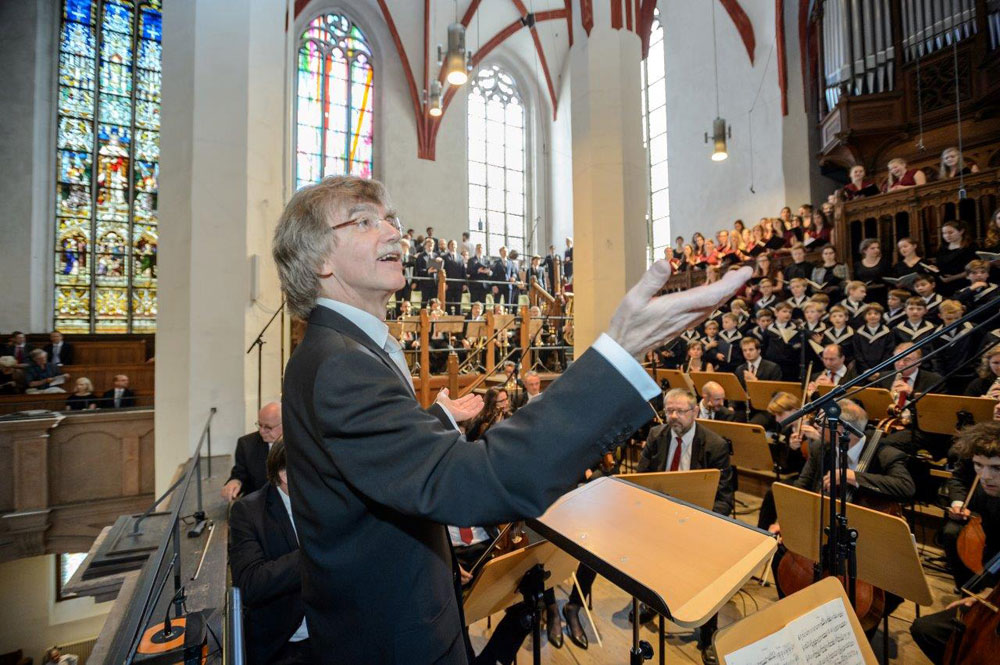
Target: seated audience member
[11, 378]
[264, 560]
[831, 273]
[835, 370]
[784, 344]
[859, 186]
[980, 289]
[901, 177]
[712, 405]
[18, 348]
[83, 398]
[914, 328]
[119, 397]
[838, 332]
[696, 358]
[249, 471]
[925, 287]
[60, 352]
[854, 303]
[42, 376]
[895, 307]
[957, 248]
[872, 269]
[55, 656]
[755, 368]
[910, 260]
[953, 165]
[873, 341]
[987, 384]
[954, 349]
[979, 449]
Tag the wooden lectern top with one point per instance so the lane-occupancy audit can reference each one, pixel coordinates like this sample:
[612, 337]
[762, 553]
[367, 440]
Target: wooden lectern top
[939, 413]
[769, 620]
[697, 487]
[750, 446]
[734, 389]
[761, 392]
[674, 378]
[683, 561]
[886, 553]
[875, 400]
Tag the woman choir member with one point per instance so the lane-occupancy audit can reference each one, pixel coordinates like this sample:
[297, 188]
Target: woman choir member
[901, 177]
[910, 260]
[695, 358]
[955, 253]
[988, 382]
[831, 273]
[952, 165]
[872, 268]
[859, 186]
[819, 232]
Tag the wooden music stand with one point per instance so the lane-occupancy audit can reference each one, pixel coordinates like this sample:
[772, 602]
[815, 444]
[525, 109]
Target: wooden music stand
[682, 561]
[534, 327]
[674, 378]
[395, 329]
[730, 384]
[749, 443]
[875, 400]
[495, 587]
[883, 539]
[942, 414]
[503, 321]
[411, 323]
[475, 329]
[770, 620]
[761, 392]
[697, 487]
[448, 324]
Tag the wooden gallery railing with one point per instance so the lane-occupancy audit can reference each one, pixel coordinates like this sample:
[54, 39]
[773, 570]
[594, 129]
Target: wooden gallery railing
[917, 212]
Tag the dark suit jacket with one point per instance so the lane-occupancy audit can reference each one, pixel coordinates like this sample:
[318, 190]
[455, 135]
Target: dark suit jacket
[65, 353]
[766, 371]
[108, 399]
[886, 476]
[708, 451]
[374, 476]
[264, 559]
[250, 462]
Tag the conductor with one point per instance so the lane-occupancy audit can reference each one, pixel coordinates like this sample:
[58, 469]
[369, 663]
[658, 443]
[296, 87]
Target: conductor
[374, 476]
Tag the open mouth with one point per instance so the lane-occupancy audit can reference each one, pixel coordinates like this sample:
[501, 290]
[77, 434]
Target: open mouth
[391, 257]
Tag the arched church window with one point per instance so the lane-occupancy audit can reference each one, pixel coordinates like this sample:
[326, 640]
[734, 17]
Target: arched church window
[496, 161]
[333, 101]
[107, 166]
[654, 125]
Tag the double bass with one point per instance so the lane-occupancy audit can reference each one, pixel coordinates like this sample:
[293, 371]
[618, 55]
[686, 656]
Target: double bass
[796, 572]
[978, 633]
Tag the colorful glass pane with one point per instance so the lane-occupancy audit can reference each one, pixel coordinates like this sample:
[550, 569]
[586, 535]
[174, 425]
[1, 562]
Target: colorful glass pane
[334, 101]
[108, 166]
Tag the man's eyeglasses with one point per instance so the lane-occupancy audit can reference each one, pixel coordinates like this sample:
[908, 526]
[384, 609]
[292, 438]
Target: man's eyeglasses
[678, 411]
[269, 428]
[366, 223]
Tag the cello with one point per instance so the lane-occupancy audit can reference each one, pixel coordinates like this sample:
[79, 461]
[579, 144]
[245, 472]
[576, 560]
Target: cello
[978, 633]
[796, 572]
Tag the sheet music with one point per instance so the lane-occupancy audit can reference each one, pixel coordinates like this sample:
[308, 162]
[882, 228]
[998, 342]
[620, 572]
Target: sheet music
[823, 635]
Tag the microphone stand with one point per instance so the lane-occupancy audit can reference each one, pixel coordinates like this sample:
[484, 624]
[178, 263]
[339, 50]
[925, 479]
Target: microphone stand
[259, 343]
[839, 555]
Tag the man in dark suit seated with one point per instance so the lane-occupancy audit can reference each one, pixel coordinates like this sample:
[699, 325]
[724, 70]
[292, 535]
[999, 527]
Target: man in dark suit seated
[712, 405]
[60, 352]
[755, 367]
[264, 559]
[375, 476]
[680, 444]
[249, 472]
[912, 380]
[835, 369]
[119, 397]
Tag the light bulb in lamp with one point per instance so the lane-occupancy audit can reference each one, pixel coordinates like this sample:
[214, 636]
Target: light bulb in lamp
[719, 135]
[434, 107]
[454, 59]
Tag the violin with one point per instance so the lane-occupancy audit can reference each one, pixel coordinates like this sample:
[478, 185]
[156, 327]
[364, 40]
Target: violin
[972, 538]
[979, 633]
[796, 572]
[897, 418]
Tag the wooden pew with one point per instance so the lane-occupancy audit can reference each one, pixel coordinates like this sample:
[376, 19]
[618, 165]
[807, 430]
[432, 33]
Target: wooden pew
[56, 402]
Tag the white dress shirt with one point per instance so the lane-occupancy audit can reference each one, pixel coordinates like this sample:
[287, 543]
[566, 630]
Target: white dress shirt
[479, 534]
[301, 632]
[687, 439]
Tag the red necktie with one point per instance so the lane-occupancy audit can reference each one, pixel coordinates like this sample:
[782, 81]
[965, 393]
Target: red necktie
[675, 461]
[829, 375]
[466, 533]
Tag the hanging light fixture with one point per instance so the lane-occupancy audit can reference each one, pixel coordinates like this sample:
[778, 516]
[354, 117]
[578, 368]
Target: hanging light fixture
[434, 105]
[719, 130]
[455, 59]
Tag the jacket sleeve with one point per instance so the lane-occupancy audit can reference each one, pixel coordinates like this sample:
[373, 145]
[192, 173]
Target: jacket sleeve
[649, 450]
[960, 482]
[894, 481]
[261, 579]
[382, 443]
[717, 456]
[240, 471]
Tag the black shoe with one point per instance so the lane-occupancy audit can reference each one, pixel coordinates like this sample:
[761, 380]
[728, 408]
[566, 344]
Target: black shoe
[645, 614]
[708, 656]
[571, 613]
[554, 626]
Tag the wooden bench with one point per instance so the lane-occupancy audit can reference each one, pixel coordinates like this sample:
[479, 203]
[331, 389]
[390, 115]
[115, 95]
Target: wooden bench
[141, 377]
[57, 401]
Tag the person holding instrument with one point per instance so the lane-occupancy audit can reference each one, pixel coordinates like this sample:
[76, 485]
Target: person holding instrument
[379, 581]
[979, 448]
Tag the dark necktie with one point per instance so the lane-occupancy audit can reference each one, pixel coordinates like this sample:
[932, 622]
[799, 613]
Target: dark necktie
[675, 461]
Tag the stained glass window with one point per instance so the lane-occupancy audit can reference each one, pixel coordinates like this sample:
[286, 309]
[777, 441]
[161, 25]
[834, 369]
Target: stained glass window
[333, 101]
[107, 166]
[654, 127]
[496, 161]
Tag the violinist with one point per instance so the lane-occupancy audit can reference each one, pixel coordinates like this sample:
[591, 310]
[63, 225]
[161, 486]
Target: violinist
[787, 454]
[979, 447]
[835, 369]
[910, 379]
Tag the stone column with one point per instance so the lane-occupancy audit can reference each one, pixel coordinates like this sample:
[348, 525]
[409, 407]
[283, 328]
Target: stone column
[610, 186]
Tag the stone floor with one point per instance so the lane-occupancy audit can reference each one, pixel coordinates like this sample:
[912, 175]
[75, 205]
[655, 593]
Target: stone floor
[611, 607]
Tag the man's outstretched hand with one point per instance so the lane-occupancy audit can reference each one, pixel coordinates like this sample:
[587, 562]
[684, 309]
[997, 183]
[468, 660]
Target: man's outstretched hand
[644, 321]
[462, 408]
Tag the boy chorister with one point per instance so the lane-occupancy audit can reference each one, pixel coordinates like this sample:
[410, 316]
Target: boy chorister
[764, 319]
[873, 341]
[732, 335]
[895, 307]
[854, 303]
[784, 343]
[838, 332]
[798, 299]
[717, 350]
[959, 348]
[924, 286]
[980, 290]
[913, 327]
[767, 299]
[814, 328]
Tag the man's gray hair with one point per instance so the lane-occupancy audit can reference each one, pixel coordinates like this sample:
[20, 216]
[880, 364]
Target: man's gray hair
[851, 412]
[680, 392]
[302, 239]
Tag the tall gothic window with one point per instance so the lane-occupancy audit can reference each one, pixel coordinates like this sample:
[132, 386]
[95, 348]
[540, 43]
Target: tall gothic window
[333, 110]
[654, 124]
[107, 166]
[496, 161]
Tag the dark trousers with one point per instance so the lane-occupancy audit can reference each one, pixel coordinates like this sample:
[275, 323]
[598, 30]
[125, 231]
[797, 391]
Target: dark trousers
[294, 653]
[931, 633]
[507, 637]
[949, 542]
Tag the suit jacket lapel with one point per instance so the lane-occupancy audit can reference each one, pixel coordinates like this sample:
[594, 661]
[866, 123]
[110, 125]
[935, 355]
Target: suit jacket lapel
[276, 509]
[697, 449]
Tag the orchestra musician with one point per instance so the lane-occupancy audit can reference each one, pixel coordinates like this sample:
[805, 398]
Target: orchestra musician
[911, 378]
[979, 448]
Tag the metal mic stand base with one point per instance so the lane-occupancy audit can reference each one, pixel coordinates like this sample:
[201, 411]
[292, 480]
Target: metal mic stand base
[532, 588]
[641, 650]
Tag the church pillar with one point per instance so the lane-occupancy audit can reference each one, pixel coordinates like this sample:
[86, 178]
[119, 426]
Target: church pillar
[221, 193]
[609, 172]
